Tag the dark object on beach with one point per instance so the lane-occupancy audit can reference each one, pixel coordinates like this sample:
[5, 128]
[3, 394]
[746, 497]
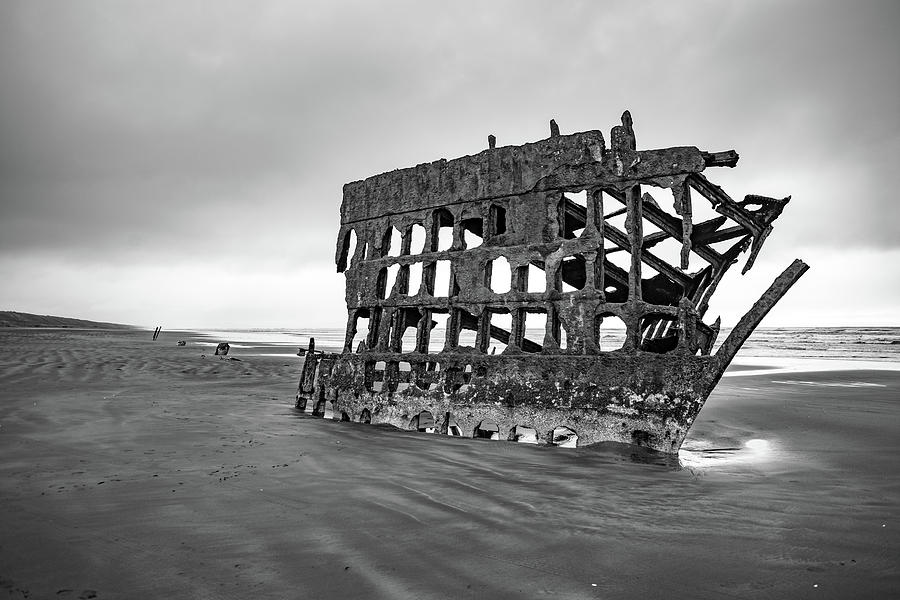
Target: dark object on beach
[182, 343]
[156, 333]
[222, 349]
[311, 350]
[534, 250]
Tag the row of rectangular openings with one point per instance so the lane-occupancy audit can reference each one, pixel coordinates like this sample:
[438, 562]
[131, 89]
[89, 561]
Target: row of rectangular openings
[472, 229]
[425, 422]
[392, 243]
[425, 376]
[497, 276]
[438, 285]
[609, 331]
[442, 234]
[560, 436]
[572, 276]
[664, 246]
[473, 235]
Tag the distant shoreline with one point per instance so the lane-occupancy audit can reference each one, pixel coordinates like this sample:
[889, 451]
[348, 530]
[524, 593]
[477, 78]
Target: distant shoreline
[14, 319]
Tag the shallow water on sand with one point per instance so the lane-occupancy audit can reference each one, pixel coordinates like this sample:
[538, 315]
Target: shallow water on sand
[134, 468]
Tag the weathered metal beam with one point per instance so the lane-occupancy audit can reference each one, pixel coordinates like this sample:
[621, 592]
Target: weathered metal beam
[618, 212]
[705, 228]
[673, 227]
[723, 203]
[655, 238]
[682, 195]
[721, 235]
[729, 158]
[619, 238]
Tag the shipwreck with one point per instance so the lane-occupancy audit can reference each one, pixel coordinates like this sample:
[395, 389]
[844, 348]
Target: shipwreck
[481, 292]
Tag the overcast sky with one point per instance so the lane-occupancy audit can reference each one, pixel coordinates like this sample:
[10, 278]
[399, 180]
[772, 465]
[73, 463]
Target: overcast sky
[181, 163]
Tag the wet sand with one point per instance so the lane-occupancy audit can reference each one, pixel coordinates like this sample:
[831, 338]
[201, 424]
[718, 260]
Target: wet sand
[134, 469]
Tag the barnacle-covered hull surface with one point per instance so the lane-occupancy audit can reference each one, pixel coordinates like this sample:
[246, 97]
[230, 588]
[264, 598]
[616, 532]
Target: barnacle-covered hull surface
[553, 292]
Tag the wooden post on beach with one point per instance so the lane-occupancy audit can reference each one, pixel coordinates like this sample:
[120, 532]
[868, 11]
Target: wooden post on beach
[307, 376]
[308, 371]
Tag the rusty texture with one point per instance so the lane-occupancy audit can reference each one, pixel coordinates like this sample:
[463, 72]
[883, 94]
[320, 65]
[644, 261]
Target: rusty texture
[480, 291]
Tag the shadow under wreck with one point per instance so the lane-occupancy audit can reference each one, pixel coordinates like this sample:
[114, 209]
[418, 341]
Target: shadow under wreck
[480, 291]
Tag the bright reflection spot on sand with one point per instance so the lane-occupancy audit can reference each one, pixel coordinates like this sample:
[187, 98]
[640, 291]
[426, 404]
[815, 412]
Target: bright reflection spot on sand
[757, 445]
[753, 451]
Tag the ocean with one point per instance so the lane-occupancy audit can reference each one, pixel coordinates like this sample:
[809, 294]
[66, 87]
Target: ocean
[814, 348]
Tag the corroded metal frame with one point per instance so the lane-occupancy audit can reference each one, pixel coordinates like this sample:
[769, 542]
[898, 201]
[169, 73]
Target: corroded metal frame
[549, 206]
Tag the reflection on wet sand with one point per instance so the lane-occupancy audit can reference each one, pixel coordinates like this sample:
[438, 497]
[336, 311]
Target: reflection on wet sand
[755, 451]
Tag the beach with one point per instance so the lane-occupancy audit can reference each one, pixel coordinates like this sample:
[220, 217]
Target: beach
[140, 469]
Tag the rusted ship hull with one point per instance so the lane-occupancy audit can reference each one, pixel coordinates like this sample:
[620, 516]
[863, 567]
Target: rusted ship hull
[616, 397]
[570, 263]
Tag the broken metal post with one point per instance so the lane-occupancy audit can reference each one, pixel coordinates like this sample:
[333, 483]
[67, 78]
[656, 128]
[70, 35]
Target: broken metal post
[554, 128]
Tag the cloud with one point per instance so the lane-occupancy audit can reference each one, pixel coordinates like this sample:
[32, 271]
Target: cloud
[139, 134]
